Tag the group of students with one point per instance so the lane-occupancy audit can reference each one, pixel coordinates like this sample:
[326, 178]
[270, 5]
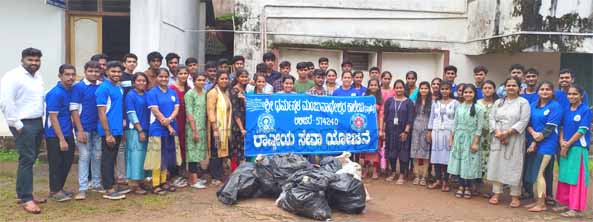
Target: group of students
[474, 133]
[174, 126]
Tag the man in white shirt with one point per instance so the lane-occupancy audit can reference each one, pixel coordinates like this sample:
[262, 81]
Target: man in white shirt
[21, 102]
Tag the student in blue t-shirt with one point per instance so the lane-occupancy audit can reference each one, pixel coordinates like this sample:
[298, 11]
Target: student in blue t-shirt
[565, 79]
[530, 93]
[85, 120]
[357, 86]
[480, 74]
[109, 99]
[136, 132]
[58, 133]
[450, 73]
[542, 141]
[575, 136]
[346, 88]
[162, 152]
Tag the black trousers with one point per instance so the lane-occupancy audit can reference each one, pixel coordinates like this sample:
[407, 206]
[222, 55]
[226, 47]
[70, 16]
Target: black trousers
[441, 172]
[27, 146]
[215, 166]
[59, 162]
[108, 157]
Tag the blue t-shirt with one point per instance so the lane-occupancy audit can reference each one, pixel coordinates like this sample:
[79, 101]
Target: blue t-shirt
[111, 96]
[166, 103]
[575, 120]
[137, 103]
[550, 113]
[360, 91]
[83, 93]
[479, 93]
[530, 97]
[343, 92]
[57, 100]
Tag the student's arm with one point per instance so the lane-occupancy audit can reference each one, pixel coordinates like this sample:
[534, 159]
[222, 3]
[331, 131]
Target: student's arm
[211, 105]
[101, 100]
[8, 89]
[53, 103]
[75, 105]
[189, 110]
[133, 118]
[480, 117]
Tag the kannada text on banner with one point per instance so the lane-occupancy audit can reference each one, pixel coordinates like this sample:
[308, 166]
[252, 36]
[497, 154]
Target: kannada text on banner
[304, 124]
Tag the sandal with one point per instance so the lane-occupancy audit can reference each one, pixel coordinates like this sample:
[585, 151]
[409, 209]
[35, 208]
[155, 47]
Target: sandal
[422, 182]
[493, 200]
[416, 181]
[445, 188]
[434, 185]
[31, 207]
[159, 191]
[560, 208]
[169, 188]
[515, 203]
[140, 191]
[571, 214]
[459, 193]
[35, 200]
[537, 209]
[467, 194]
[390, 178]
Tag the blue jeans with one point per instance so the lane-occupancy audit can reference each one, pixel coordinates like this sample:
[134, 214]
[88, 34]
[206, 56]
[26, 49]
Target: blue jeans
[89, 155]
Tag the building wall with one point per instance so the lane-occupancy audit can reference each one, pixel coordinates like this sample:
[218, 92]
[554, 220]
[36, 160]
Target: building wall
[154, 27]
[42, 27]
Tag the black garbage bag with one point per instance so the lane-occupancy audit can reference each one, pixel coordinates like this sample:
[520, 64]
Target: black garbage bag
[304, 194]
[347, 194]
[273, 171]
[241, 184]
[330, 164]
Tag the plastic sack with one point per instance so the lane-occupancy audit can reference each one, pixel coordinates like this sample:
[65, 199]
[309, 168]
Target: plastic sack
[347, 194]
[273, 171]
[349, 167]
[241, 184]
[304, 195]
[330, 164]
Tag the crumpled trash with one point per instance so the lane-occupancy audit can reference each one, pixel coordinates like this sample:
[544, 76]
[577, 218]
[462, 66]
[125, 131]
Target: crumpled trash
[241, 184]
[305, 196]
[347, 194]
[273, 171]
[330, 164]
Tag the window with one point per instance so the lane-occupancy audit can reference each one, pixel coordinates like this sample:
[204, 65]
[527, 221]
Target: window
[116, 5]
[83, 5]
[99, 5]
[361, 60]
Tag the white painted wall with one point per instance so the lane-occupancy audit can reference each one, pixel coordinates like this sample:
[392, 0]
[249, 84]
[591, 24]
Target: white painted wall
[165, 26]
[31, 23]
[427, 65]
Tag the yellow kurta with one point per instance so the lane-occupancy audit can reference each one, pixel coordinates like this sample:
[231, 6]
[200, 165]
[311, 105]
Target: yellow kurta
[219, 111]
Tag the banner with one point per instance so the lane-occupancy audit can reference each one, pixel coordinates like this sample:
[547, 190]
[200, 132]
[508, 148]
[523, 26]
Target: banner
[305, 124]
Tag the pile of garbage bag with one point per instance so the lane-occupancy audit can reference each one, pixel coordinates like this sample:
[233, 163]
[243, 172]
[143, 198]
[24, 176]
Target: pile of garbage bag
[301, 188]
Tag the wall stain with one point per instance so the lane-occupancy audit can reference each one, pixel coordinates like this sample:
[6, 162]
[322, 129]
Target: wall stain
[528, 10]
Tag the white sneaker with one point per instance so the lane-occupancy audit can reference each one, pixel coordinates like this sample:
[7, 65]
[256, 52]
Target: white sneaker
[199, 185]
